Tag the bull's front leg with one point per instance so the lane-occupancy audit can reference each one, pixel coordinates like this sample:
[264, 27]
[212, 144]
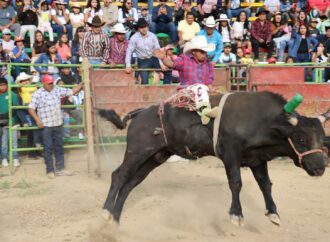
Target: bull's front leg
[235, 185]
[260, 173]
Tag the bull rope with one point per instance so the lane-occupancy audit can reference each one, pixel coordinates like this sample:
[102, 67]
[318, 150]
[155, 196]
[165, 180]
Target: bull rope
[216, 124]
[161, 111]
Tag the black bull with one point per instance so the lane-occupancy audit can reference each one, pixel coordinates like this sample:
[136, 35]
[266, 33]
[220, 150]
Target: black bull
[254, 129]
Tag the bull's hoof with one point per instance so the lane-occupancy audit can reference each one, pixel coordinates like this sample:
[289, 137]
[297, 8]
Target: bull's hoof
[106, 215]
[237, 220]
[274, 218]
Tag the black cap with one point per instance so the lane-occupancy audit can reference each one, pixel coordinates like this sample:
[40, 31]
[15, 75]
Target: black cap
[141, 23]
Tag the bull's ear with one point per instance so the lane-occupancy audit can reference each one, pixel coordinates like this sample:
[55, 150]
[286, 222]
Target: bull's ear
[282, 131]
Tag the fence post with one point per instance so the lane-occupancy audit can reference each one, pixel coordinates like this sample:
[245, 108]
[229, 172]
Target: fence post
[91, 167]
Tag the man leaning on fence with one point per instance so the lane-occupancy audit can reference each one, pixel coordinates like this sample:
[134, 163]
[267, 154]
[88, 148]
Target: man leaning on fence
[45, 108]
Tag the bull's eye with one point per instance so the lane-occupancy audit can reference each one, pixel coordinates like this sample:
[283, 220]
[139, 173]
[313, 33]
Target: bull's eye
[301, 140]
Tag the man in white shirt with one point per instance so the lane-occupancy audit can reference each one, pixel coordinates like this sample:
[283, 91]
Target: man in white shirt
[187, 29]
[7, 43]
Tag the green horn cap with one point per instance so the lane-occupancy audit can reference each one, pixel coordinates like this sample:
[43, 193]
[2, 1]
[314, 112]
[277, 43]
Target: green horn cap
[293, 103]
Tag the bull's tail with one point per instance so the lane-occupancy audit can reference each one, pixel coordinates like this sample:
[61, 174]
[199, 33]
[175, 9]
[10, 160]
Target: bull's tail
[114, 118]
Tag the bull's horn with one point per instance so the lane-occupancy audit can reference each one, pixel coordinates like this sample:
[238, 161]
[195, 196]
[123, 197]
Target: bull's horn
[324, 116]
[290, 106]
[293, 120]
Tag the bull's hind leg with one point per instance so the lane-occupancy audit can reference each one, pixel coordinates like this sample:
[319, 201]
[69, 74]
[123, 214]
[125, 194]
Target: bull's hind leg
[260, 173]
[136, 179]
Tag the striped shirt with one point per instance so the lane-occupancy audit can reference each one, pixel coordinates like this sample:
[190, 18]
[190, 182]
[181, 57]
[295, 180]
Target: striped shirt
[193, 72]
[95, 45]
[48, 105]
[143, 46]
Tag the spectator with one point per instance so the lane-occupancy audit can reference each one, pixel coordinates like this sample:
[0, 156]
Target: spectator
[76, 43]
[289, 60]
[182, 11]
[287, 10]
[319, 56]
[280, 31]
[45, 108]
[4, 123]
[25, 96]
[95, 45]
[39, 47]
[50, 57]
[213, 37]
[313, 31]
[227, 57]
[145, 14]
[325, 39]
[301, 19]
[118, 45]
[272, 6]
[63, 48]
[4, 58]
[76, 17]
[301, 5]
[128, 16]
[173, 77]
[303, 45]
[143, 43]
[247, 60]
[234, 8]
[67, 77]
[187, 29]
[20, 55]
[239, 55]
[8, 18]
[110, 15]
[321, 6]
[241, 31]
[61, 19]
[93, 8]
[150, 4]
[207, 8]
[224, 28]
[322, 25]
[29, 20]
[7, 43]
[193, 65]
[44, 18]
[261, 34]
[162, 21]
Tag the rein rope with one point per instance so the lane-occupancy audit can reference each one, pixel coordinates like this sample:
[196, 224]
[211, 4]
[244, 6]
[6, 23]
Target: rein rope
[183, 99]
[161, 111]
[301, 155]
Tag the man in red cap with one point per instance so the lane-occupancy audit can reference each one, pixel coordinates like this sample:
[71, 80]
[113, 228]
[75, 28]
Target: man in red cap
[48, 117]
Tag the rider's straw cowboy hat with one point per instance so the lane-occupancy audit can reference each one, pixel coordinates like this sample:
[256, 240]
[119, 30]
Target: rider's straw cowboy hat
[119, 28]
[210, 22]
[198, 43]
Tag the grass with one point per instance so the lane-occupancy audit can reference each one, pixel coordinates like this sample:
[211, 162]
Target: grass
[5, 185]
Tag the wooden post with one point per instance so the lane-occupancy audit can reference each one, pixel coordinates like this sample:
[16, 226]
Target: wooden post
[88, 117]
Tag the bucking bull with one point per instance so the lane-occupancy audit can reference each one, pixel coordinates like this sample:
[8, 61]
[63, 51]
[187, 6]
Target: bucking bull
[254, 129]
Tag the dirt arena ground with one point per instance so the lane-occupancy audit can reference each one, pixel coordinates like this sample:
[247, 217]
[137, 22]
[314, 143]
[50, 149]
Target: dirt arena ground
[180, 201]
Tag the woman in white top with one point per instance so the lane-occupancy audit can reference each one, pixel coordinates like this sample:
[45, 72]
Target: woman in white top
[224, 28]
[240, 31]
[76, 17]
[128, 16]
[61, 19]
[92, 9]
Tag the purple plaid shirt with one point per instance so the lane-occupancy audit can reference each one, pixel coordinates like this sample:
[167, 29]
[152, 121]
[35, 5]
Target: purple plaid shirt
[117, 51]
[192, 72]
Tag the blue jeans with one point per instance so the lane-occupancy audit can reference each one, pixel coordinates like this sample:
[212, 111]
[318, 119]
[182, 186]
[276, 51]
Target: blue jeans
[59, 30]
[94, 61]
[283, 45]
[168, 28]
[235, 12]
[53, 141]
[5, 143]
[150, 5]
[302, 57]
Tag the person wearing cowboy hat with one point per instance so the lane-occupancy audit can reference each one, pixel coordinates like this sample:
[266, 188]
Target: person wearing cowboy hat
[8, 18]
[110, 15]
[118, 45]
[193, 65]
[95, 44]
[261, 34]
[144, 43]
[76, 17]
[213, 37]
[162, 21]
[61, 19]
[234, 8]
[20, 54]
[224, 28]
